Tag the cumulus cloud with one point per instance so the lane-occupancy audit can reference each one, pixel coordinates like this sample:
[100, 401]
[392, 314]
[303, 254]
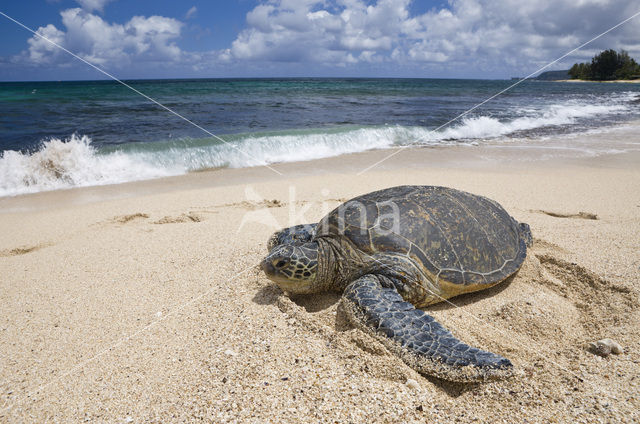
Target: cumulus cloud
[463, 38]
[485, 34]
[43, 51]
[91, 5]
[143, 39]
[294, 31]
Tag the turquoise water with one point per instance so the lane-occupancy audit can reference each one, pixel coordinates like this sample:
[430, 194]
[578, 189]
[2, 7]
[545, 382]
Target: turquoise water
[64, 134]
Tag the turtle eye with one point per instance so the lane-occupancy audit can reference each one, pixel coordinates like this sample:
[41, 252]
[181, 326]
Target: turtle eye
[281, 263]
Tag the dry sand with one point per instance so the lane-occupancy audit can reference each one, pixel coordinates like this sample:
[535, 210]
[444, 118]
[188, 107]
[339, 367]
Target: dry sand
[141, 302]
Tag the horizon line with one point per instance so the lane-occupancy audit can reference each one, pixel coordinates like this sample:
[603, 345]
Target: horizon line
[270, 78]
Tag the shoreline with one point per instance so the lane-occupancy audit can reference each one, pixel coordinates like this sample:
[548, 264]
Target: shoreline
[553, 151]
[477, 158]
[141, 302]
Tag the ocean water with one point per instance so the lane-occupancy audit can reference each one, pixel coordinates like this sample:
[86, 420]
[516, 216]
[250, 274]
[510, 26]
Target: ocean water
[56, 135]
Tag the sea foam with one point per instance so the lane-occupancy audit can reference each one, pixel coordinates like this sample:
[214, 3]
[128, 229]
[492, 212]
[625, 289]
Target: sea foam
[69, 163]
[485, 127]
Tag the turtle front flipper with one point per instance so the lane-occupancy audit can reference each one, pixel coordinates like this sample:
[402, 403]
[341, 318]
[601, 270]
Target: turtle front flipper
[297, 234]
[421, 342]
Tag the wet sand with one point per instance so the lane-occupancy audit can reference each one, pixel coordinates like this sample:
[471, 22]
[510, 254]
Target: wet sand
[142, 302]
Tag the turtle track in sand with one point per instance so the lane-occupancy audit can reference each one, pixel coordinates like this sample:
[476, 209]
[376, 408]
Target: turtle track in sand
[123, 219]
[602, 304]
[187, 217]
[563, 305]
[23, 250]
[579, 215]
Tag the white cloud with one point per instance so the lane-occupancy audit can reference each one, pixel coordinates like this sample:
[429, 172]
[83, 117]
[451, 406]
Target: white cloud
[294, 31]
[142, 39]
[191, 12]
[466, 38]
[43, 51]
[91, 5]
[482, 34]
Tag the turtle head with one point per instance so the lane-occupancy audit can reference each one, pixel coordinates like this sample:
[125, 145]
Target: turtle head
[293, 267]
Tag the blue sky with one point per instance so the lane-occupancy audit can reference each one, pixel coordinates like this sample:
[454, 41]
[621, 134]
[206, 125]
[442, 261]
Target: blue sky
[251, 38]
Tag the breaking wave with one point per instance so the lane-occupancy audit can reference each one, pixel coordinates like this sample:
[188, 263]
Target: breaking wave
[69, 163]
[77, 162]
[484, 127]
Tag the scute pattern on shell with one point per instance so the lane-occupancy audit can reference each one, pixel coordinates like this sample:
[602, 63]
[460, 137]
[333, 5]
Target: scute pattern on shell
[461, 238]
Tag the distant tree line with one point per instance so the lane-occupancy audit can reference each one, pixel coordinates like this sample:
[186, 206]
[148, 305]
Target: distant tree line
[607, 65]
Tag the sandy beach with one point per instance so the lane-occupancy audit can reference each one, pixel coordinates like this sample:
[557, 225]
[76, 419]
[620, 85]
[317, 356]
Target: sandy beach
[141, 302]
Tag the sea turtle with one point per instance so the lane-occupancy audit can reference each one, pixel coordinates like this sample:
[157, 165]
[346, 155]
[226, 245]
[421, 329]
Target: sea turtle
[402, 248]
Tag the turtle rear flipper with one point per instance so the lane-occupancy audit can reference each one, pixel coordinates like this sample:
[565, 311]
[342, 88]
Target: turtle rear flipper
[421, 342]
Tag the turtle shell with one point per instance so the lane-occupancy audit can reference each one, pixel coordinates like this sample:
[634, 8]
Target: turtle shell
[459, 238]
